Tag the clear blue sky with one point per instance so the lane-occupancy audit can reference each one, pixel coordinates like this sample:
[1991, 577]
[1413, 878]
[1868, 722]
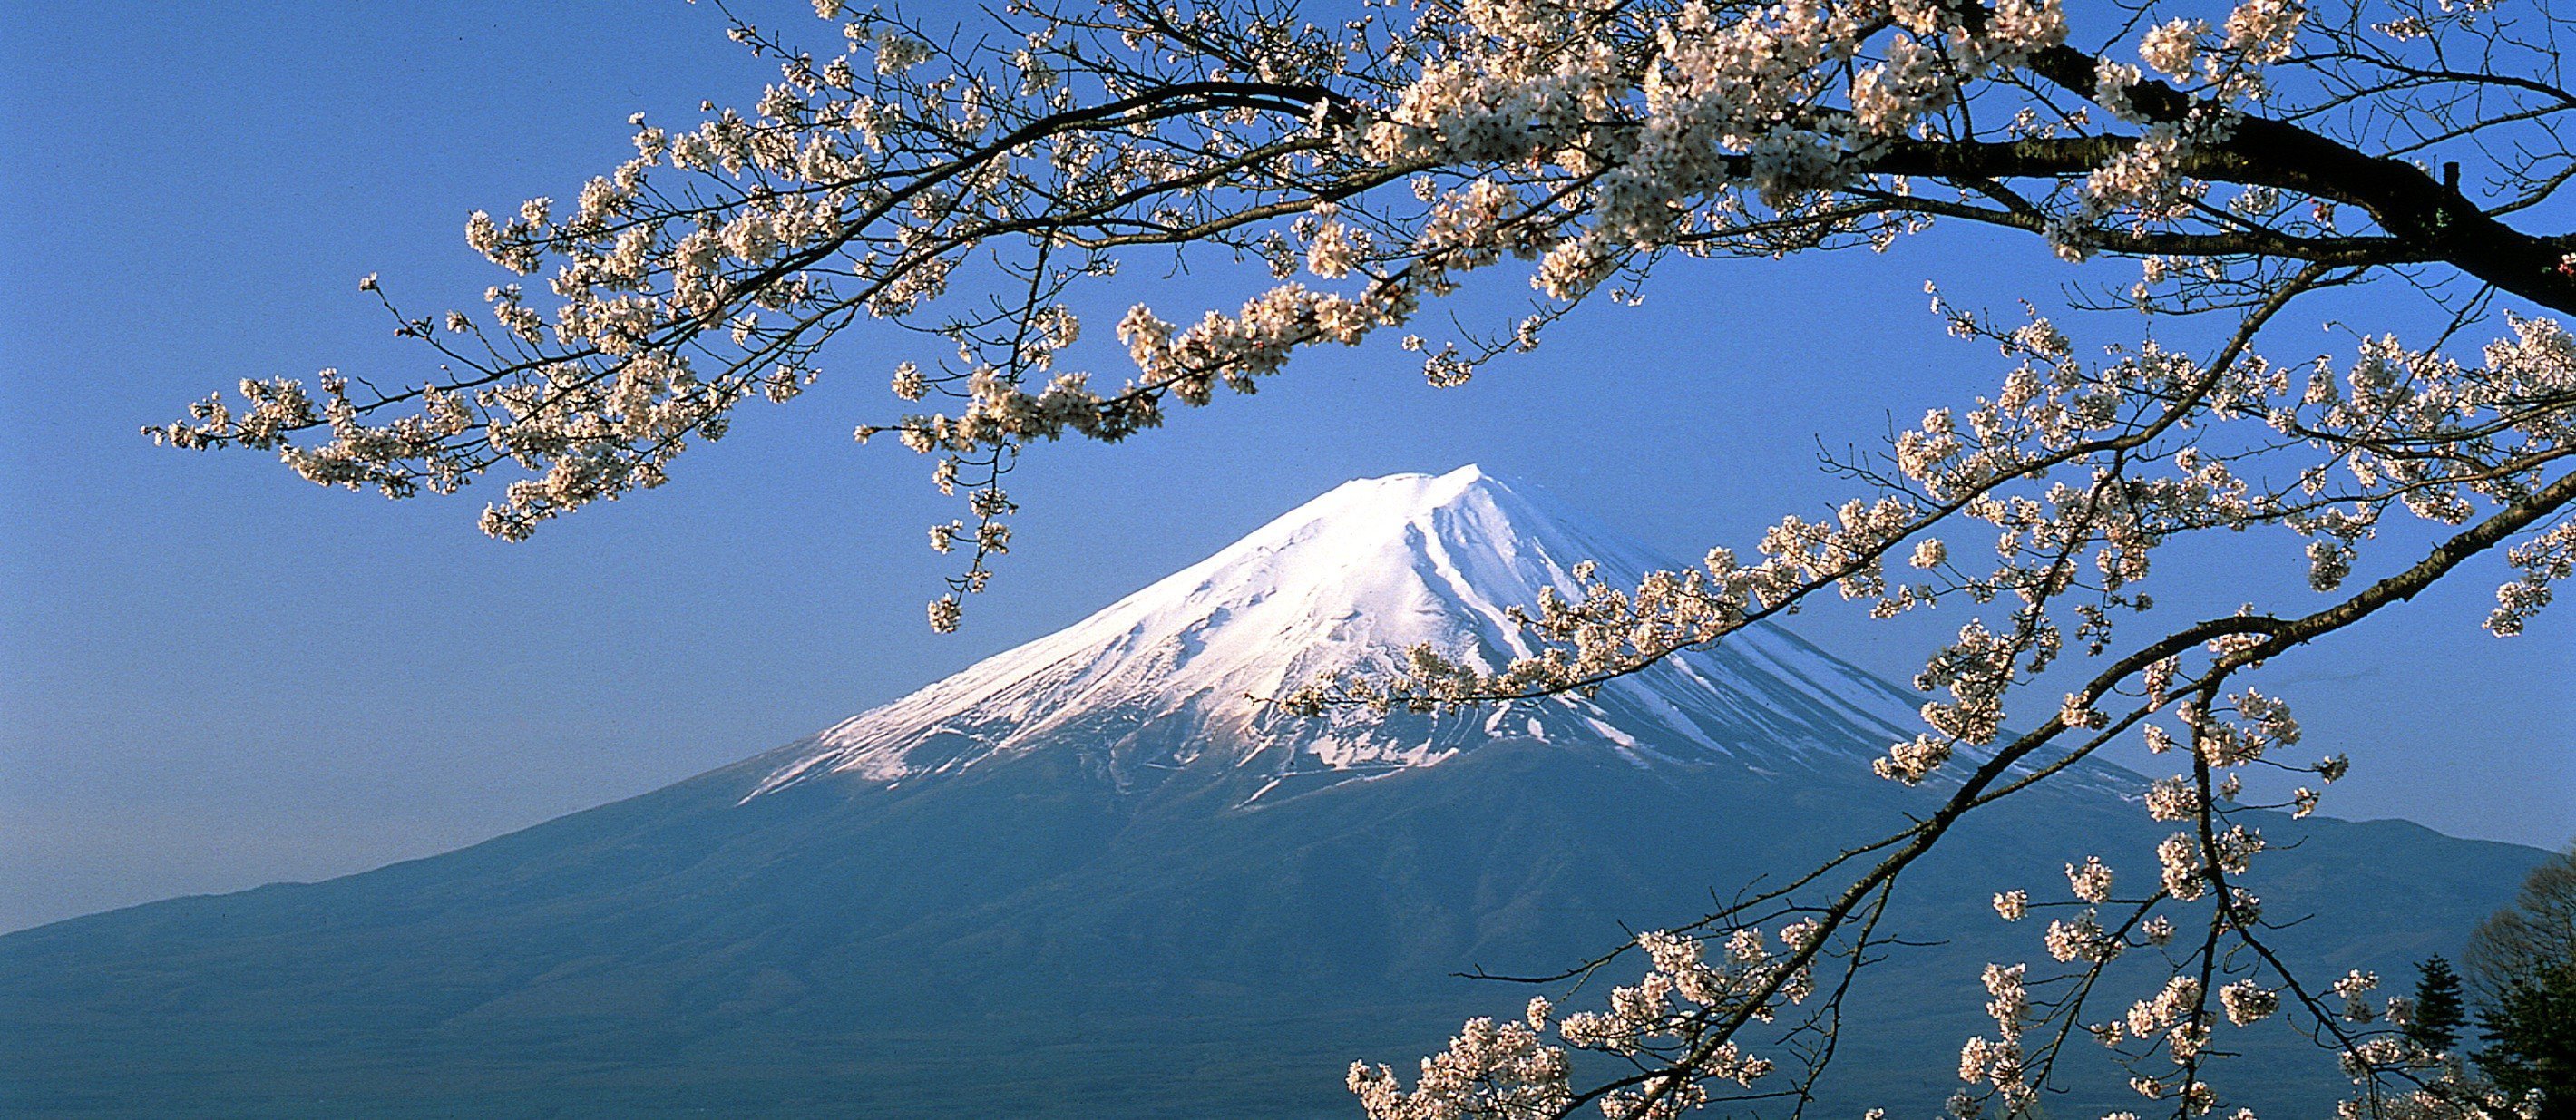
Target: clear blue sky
[213, 675]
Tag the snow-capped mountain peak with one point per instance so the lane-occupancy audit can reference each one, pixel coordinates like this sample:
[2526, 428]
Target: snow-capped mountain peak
[1167, 678]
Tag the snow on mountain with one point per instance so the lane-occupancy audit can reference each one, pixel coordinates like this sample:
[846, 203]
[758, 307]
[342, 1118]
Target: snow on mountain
[1165, 678]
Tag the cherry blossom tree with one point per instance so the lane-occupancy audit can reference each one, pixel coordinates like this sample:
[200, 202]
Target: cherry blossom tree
[968, 183]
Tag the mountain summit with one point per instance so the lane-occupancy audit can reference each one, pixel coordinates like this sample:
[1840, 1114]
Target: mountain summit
[1165, 679]
[1089, 879]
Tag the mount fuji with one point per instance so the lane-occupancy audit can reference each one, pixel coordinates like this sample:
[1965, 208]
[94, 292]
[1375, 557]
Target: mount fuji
[1168, 678]
[1094, 877]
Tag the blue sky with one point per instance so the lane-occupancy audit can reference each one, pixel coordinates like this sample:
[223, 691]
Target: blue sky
[213, 675]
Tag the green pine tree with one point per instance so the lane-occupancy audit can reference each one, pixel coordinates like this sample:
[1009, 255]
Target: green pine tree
[2440, 1011]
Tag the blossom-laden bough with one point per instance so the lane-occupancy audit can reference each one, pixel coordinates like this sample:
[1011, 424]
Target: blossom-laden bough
[966, 183]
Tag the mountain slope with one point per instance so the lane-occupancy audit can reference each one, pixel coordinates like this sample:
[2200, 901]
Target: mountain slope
[1162, 678]
[1083, 879]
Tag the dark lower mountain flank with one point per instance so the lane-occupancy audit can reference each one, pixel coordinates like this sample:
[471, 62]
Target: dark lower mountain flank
[1017, 944]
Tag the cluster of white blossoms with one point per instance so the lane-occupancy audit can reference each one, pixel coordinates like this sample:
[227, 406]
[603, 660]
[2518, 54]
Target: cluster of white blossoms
[1682, 1008]
[970, 187]
[1499, 1071]
[2090, 882]
[2012, 905]
[2081, 938]
[2248, 1002]
[2000, 1064]
[2447, 1095]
